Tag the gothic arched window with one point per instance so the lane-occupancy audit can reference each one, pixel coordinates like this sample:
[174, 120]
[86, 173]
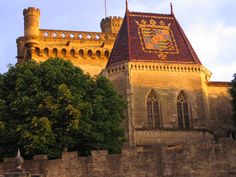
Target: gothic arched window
[182, 110]
[153, 113]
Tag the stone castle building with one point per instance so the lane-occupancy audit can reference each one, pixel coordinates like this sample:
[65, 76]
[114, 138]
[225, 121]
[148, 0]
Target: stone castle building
[178, 122]
[88, 50]
[152, 65]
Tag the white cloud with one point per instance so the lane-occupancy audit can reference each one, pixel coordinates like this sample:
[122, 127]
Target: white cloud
[215, 46]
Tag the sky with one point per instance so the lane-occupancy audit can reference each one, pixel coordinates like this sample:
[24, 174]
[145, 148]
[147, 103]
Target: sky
[210, 25]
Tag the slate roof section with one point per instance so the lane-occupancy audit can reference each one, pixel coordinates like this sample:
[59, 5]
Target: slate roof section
[152, 37]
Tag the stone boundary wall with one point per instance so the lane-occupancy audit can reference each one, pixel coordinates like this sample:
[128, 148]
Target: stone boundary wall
[205, 160]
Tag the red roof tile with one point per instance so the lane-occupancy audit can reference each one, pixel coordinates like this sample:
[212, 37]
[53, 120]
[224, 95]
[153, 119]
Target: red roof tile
[152, 37]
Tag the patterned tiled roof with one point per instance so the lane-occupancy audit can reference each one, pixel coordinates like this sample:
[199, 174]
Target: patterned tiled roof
[152, 37]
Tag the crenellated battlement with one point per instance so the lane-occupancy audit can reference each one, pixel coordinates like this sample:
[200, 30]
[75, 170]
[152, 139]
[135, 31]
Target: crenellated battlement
[88, 50]
[175, 160]
[111, 24]
[31, 10]
[113, 18]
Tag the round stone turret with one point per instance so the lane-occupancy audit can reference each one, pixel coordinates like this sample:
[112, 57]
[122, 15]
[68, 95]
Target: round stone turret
[31, 21]
[31, 29]
[111, 24]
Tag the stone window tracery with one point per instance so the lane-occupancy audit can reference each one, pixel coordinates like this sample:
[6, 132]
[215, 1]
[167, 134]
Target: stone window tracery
[153, 113]
[182, 111]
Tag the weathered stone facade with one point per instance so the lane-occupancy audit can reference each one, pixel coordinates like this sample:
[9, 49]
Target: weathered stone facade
[174, 114]
[202, 160]
[170, 98]
[88, 50]
[209, 102]
[161, 73]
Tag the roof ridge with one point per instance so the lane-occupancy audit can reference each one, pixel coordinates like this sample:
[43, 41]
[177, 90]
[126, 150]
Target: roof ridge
[135, 41]
[128, 30]
[190, 48]
[149, 13]
[115, 44]
[118, 42]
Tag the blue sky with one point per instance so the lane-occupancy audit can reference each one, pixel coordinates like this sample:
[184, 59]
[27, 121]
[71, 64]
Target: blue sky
[209, 24]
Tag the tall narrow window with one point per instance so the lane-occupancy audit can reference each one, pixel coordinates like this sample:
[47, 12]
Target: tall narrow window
[182, 110]
[153, 114]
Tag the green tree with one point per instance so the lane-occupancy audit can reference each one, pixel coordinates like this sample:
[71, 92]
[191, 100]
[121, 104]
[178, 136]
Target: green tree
[233, 95]
[46, 107]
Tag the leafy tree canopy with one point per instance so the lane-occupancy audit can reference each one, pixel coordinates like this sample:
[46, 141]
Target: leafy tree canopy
[233, 95]
[46, 107]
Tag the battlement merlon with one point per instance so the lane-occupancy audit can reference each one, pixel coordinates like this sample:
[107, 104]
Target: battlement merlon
[31, 10]
[111, 24]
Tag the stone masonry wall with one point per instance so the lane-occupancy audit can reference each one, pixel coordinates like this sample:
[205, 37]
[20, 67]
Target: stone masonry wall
[206, 160]
[220, 108]
[167, 81]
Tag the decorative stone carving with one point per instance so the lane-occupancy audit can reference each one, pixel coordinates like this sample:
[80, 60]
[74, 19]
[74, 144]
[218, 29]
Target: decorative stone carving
[19, 161]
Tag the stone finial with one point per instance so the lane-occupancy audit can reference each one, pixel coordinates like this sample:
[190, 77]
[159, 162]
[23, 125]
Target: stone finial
[19, 161]
[171, 9]
[126, 5]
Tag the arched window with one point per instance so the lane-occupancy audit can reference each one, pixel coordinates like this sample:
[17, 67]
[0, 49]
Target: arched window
[81, 53]
[98, 53]
[182, 111]
[63, 52]
[106, 54]
[72, 52]
[54, 51]
[46, 52]
[37, 51]
[153, 113]
[90, 53]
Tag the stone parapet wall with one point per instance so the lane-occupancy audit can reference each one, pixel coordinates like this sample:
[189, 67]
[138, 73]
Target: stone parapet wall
[205, 160]
[75, 35]
[171, 137]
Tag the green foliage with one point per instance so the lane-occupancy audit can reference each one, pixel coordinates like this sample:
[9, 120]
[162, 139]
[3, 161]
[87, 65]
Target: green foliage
[233, 95]
[53, 105]
[37, 136]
